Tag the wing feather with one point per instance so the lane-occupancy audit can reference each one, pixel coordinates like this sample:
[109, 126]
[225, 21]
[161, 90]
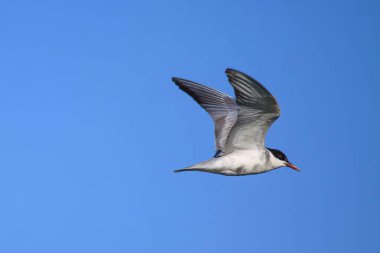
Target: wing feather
[258, 109]
[221, 107]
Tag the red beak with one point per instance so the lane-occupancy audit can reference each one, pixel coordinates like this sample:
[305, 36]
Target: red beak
[293, 167]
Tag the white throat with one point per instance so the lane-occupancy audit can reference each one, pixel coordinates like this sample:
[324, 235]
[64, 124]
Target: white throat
[275, 162]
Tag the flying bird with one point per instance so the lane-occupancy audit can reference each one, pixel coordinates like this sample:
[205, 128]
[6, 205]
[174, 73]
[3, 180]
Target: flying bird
[240, 126]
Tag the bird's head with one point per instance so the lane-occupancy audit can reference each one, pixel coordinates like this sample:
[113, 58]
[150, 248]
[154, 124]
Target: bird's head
[282, 159]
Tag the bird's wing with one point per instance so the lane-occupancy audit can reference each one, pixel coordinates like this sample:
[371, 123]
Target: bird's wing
[221, 107]
[258, 109]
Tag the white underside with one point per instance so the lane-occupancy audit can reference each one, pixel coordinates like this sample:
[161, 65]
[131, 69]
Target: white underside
[240, 162]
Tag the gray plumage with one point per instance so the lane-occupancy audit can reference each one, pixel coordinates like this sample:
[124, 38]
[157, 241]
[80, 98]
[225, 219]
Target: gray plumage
[240, 125]
[221, 107]
[258, 109]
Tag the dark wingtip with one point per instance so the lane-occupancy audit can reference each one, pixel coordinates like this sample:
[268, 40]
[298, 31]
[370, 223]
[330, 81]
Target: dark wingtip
[231, 71]
[178, 81]
[176, 171]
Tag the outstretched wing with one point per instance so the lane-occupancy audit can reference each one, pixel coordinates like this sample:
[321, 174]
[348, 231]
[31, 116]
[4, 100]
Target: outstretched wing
[221, 107]
[258, 109]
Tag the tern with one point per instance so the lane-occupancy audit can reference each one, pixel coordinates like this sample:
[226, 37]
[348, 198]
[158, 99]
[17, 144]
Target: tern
[240, 126]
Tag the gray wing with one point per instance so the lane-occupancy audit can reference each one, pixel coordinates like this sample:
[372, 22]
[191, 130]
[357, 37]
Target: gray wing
[258, 109]
[221, 107]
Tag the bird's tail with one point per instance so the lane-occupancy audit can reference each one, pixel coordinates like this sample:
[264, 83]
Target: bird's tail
[196, 167]
[188, 169]
[180, 170]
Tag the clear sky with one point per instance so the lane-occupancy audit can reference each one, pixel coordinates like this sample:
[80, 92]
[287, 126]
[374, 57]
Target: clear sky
[92, 126]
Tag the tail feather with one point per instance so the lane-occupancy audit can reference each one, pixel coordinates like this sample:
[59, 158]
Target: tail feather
[180, 170]
[188, 169]
[196, 167]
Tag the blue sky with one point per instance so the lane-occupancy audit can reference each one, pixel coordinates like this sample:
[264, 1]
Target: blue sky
[92, 126]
